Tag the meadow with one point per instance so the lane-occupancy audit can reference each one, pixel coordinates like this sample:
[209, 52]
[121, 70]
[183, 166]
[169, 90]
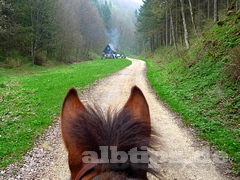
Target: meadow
[31, 99]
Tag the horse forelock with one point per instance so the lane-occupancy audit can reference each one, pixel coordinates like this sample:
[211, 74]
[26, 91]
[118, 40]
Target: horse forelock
[93, 129]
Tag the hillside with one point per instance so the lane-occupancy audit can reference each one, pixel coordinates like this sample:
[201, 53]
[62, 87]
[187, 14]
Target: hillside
[202, 85]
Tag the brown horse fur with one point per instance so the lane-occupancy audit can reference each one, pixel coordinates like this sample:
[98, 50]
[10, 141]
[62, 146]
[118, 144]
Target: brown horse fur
[86, 129]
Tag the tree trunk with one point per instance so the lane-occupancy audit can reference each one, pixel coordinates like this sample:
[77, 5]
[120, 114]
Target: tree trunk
[176, 23]
[208, 15]
[184, 26]
[191, 12]
[172, 28]
[166, 29]
[152, 43]
[32, 49]
[215, 11]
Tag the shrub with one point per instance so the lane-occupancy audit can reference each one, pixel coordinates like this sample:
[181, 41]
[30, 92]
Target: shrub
[40, 58]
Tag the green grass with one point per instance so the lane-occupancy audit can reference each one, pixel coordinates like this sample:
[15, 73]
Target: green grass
[201, 91]
[29, 103]
[203, 102]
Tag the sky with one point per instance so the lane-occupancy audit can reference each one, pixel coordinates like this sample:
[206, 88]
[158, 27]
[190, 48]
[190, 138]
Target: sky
[130, 4]
[139, 1]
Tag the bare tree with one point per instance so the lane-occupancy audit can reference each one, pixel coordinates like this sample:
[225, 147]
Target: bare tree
[90, 26]
[69, 35]
[208, 11]
[184, 25]
[122, 31]
[172, 29]
[192, 18]
[82, 29]
[215, 11]
[166, 41]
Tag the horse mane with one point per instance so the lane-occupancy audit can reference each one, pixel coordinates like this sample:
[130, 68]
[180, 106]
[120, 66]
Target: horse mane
[92, 129]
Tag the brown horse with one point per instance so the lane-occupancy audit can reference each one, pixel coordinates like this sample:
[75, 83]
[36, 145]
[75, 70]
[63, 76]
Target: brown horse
[107, 147]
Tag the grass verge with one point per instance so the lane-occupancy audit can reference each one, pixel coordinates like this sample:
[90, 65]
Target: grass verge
[30, 103]
[203, 102]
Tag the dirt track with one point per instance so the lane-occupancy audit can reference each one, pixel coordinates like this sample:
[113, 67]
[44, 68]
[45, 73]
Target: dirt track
[180, 157]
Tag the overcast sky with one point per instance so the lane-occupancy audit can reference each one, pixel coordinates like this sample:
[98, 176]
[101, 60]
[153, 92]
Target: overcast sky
[139, 1]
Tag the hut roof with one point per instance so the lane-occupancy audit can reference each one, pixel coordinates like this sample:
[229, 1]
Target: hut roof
[109, 49]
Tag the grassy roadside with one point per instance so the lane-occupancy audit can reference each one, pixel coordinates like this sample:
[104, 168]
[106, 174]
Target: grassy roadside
[29, 103]
[203, 87]
[209, 107]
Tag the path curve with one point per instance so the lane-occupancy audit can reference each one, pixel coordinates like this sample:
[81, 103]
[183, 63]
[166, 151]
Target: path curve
[181, 157]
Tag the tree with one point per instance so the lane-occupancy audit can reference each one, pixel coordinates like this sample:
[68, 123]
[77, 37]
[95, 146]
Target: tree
[91, 27]
[166, 19]
[192, 18]
[215, 17]
[42, 28]
[148, 22]
[184, 25]
[82, 29]
[105, 14]
[7, 26]
[68, 35]
[35, 28]
[172, 29]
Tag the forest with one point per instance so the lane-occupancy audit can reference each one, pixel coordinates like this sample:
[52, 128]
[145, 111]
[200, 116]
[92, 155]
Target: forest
[39, 31]
[42, 31]
[175, 22]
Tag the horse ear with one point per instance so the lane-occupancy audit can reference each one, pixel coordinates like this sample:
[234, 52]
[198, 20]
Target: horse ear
[137, 104]
[70, 110]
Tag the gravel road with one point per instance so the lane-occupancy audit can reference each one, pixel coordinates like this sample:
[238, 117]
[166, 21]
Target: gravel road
[181, 156]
